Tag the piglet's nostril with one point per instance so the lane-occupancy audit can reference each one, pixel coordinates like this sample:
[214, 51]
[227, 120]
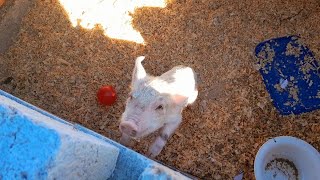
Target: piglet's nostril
[122, 128]
[133, 132]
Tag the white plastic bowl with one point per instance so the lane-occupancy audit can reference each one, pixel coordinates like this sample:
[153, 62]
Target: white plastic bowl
[286, 158]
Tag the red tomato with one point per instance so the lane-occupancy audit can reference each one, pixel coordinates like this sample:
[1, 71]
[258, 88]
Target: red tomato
[106, 95]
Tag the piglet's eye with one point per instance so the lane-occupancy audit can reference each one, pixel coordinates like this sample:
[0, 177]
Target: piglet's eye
[160, 107]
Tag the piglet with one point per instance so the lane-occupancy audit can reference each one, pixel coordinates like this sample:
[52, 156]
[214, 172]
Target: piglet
[156, 102]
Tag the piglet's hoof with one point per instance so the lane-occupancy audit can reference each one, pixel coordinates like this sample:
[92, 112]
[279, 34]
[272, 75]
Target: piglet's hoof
[125, 140]
[156, 147]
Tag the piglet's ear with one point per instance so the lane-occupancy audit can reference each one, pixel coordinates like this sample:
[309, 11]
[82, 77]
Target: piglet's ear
[138, 72]
[180, 100]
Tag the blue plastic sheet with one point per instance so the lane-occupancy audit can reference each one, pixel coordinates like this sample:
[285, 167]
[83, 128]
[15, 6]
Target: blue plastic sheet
[291, 74]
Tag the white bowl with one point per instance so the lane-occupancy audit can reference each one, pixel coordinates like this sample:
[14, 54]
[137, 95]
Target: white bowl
[286, 158]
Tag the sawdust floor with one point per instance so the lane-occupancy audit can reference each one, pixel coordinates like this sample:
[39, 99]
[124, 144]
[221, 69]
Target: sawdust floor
[59, 68]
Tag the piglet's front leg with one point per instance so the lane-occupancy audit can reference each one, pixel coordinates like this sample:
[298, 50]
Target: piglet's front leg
[125, 140]
[160, 142]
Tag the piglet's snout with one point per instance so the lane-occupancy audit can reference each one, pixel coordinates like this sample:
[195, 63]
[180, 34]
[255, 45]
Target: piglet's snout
[129, 128]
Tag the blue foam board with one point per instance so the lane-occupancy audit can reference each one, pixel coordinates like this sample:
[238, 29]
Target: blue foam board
[130, 164]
